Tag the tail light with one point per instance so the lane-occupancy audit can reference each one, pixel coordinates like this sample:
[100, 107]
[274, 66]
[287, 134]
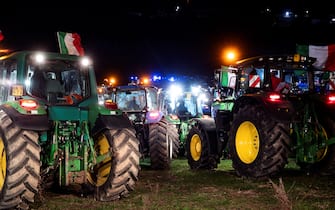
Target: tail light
[274, 97]
[331, 99]
[28, 104]
[153, 116]
[110, 105]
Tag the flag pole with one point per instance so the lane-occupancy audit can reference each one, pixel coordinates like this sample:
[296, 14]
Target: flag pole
[59, 44]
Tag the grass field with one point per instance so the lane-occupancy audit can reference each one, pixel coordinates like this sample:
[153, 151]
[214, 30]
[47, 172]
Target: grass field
[181, 188]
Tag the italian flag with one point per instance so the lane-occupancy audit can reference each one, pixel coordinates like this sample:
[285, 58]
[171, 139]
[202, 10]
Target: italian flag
[70, 43]
[325, 55]
[228, 79]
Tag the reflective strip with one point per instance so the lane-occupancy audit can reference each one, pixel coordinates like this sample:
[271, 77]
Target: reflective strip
[254, 81]
[332, 84]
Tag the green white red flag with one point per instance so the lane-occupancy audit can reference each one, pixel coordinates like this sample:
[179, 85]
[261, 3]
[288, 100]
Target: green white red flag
[70, 43]
[228, 79]
[325, 55]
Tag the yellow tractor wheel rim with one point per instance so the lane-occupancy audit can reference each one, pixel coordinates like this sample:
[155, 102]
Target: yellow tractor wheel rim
[247, 142]
[101, 170]
[322, 152]
[195, 147]
[3, 164]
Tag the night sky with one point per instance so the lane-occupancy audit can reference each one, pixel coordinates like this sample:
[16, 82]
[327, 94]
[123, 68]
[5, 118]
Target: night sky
[176, 36]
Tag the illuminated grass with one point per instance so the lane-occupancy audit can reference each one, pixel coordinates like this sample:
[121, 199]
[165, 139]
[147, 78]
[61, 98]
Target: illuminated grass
[183, 189]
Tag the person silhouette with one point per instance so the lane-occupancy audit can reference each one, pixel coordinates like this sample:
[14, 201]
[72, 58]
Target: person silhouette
[181, 108]
[132, 104]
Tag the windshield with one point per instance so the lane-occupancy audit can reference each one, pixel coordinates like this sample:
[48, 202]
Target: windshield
[279, 78]
[133, 100]
[57, 81]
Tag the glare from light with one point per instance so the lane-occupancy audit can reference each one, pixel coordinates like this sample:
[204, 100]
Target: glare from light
[27, 83]
[155, 78]
[171, 79]
[174, 92]
[287, 14]
[195, 90]
[230, 55]
[203, 97]
[146, 80]
[40, 58]
[85, 61]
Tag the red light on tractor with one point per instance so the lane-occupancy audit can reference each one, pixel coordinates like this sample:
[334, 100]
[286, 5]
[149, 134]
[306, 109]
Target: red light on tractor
[109, 104]
[274, 97]
[154, 115]
[331, 99]
[28, 104]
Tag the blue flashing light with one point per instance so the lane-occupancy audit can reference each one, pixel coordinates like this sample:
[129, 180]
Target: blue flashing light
[171, 79]
[155, 78]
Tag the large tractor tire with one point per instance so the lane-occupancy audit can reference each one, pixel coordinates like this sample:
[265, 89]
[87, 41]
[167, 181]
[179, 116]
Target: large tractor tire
[20, 165]
[259, 146]
[163, 143]
[326, 156]
[198, 148]
[115, 177]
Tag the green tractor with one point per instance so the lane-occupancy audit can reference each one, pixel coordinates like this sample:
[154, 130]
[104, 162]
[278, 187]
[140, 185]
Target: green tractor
[188, 104]
[156, 131]
[53, 133]
[270, 109]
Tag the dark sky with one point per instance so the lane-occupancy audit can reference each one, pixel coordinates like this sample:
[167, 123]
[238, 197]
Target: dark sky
[141, 37]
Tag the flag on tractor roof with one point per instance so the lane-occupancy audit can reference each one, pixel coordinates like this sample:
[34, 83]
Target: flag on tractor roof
[228, 79]
[324, 54]
[70, 43]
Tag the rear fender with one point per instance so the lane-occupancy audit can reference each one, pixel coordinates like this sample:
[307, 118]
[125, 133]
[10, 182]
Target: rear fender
[111, 122]
[281, 110]
[34, 122]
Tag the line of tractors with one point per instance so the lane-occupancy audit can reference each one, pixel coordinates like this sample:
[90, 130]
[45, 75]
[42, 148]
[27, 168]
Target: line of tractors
[57, 129]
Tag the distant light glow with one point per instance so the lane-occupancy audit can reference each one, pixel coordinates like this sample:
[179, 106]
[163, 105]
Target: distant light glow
[195, 90]
[156, 78]
[288, 14]
[230, 55]
[171, 79]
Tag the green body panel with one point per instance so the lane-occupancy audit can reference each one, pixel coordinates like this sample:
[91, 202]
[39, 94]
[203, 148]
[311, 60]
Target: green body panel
[67, 113]
[299, 108]
[67, 144]
[184, 129]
